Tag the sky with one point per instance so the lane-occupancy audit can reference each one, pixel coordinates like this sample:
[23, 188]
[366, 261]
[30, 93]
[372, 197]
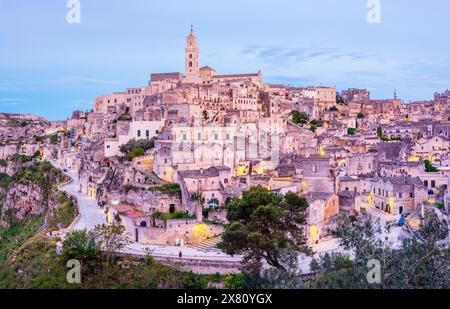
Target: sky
[50, 67]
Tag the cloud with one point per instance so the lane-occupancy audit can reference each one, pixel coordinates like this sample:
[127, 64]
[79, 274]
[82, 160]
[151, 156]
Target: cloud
[80, 80]
[276, 55]
[11, 101]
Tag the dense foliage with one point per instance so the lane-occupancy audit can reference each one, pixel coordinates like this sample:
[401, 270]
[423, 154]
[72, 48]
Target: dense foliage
[300, 118]
[137, 148]
[430, 168]
[263, 225]
[420, 262]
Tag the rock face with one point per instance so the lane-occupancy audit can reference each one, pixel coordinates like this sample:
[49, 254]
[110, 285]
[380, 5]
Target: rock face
[23, 200]
[30, 194]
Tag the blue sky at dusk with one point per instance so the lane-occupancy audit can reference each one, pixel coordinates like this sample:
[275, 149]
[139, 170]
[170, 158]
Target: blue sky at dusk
[50, 67]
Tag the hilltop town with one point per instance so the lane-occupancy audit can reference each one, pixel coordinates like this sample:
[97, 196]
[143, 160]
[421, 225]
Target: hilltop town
[167, 158]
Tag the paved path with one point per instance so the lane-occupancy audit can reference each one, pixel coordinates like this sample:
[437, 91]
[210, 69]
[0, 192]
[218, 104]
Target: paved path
[91, 215]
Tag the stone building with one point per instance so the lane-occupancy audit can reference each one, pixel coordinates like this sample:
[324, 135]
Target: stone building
[395, 195]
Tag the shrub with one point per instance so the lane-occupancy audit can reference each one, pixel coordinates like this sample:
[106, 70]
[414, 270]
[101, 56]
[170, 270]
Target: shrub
[53, 139]
[169, 188]
[134, 144]
[351, 131]
[81, 245]
[429, 167]
[136, 152]
[234, 282]
[299, 117]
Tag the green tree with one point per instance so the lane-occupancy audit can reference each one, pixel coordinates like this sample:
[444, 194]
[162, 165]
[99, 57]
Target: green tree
[263, 225]
[420, 262]
[111, 239]
[145, 144]
[136, 152]
[81, 245]
[351, 131]
[380, 132]
[233, 282]
[54, 139]
[430, 168]
[299, 117]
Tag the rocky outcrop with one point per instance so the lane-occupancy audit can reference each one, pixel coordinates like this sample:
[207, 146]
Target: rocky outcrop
[23, 200]
[30, 194]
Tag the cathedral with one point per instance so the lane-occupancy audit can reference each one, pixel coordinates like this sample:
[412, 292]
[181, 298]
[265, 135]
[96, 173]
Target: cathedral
[194, 74]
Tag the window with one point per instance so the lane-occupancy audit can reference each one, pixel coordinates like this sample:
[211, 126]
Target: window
[425, 183]
[138, 133]
[190, 64]
[228, 136]
[314, 169]
[433, 184]
[147, 133]
[184, 137]
[216, 136]
[199, 136]
[400, 195]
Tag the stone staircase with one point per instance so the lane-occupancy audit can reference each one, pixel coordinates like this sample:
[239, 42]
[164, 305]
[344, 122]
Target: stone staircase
[208, 245]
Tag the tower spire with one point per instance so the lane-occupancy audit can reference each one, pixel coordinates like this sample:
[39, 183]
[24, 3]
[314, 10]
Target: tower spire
[192, 58]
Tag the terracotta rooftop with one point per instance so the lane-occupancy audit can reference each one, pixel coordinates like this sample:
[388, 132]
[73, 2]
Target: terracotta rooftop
[135, 214]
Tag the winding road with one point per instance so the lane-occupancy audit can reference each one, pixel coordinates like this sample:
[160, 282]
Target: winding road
[90, 215]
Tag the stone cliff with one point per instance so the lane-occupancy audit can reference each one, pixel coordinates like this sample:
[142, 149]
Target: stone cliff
[30, 193]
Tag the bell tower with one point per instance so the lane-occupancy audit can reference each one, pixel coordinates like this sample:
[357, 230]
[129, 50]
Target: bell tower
[192, 58]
